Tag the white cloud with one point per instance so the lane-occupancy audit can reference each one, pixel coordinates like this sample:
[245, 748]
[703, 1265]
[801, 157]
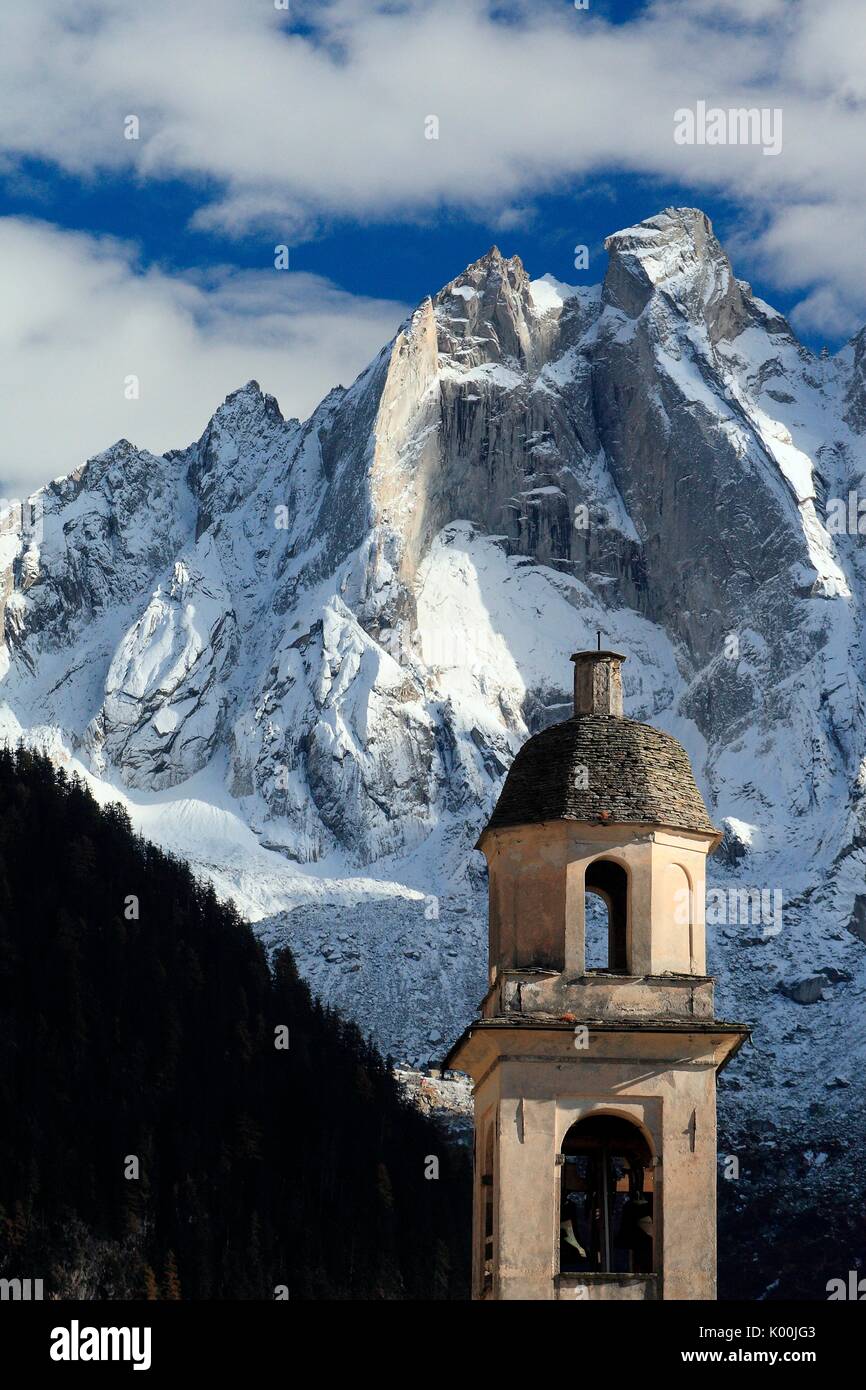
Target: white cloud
[79, 316]
[283, 130]
[825, 310]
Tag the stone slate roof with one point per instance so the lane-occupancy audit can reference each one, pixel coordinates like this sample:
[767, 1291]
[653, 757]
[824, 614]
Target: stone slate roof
[634, 773]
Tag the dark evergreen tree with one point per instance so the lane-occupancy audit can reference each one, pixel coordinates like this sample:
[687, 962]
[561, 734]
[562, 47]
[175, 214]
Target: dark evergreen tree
[155, 1140]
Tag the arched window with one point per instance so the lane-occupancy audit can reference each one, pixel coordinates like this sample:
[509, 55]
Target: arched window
[606, 916]
[606, 1200]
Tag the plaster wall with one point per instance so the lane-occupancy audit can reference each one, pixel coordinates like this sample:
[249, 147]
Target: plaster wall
[533, 1099]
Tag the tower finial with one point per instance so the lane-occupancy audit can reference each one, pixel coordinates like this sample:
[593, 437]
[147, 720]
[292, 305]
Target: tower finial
[598, 682]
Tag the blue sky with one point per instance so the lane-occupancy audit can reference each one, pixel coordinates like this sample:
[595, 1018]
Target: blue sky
[390, 259]
[154, 256]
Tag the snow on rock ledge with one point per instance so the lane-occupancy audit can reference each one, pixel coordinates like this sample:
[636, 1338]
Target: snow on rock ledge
[165, 698]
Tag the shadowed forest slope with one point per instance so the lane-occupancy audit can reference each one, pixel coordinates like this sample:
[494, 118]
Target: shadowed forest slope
[138, 1033]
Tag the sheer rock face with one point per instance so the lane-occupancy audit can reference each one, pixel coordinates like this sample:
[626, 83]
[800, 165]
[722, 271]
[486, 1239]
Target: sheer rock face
[307, 653]
[855, 414]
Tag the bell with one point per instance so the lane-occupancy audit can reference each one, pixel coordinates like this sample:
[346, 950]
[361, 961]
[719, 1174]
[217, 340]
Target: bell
[567, 1232]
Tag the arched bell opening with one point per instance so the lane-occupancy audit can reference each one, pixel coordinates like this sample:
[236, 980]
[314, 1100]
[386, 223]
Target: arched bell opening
[606, 916]
[606, 1211]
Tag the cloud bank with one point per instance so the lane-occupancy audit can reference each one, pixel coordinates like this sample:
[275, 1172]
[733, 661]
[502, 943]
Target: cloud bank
[291, 119]
[80, 317]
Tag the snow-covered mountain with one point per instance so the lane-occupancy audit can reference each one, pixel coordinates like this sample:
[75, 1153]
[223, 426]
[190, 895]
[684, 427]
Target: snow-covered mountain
[305, 654]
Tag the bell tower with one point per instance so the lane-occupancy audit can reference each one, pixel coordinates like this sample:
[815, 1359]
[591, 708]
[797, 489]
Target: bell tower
[594, 1060]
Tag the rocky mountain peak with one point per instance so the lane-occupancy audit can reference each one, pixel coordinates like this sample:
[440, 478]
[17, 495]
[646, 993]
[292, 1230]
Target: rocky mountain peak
[116, 466]
[493, 266]
[242, 436]
[485, 310]
[248, 402]
[675, 254]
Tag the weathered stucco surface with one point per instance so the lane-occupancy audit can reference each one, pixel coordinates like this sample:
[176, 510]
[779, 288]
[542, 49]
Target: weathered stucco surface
[557, 1044]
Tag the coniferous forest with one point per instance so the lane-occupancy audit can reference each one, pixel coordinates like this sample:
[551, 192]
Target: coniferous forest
[155, 1141]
